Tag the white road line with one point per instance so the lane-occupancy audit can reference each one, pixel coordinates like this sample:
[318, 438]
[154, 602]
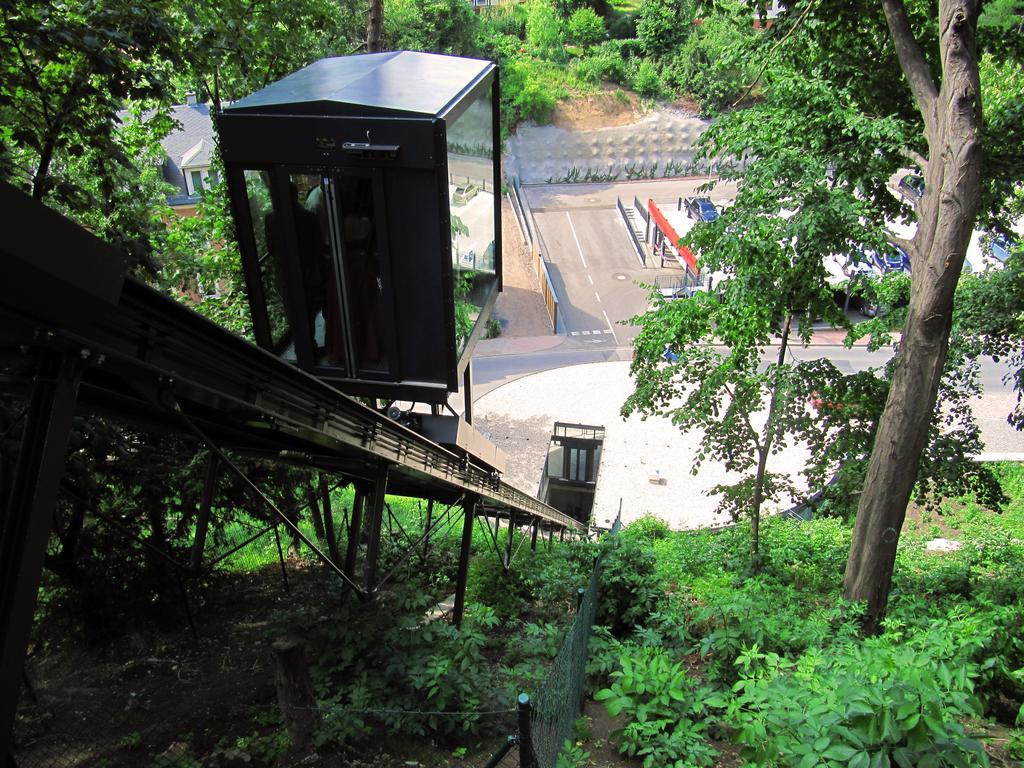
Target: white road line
[590, 278]
[578, 246]
[574, 333]
[585, 333]
[614, 335]
[598, 297]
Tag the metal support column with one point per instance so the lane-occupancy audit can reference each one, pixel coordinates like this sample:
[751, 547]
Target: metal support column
[25, 529]
[380, 488]
[426, 527]
[468, 510]
[533, 534]
[508, 539]
[355, 525]
[203, 520]
[467, 387]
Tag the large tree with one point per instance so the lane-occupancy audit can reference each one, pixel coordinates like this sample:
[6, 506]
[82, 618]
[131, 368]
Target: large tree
[951, 113]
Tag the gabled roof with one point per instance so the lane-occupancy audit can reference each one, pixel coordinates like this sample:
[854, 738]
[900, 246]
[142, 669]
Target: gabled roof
[197, 156]
[397, 82]
[196, 128]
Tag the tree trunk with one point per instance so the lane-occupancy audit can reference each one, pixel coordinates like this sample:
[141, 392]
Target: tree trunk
[375, 27]
[946, 214]
[765, 451]
[295, 694]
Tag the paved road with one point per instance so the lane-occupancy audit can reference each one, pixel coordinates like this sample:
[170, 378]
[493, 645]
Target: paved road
[598, 278]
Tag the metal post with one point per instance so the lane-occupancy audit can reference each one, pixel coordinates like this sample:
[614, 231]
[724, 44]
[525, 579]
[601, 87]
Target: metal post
[468, 510]
[355, 524]
[25, 529]
[467, 385]
[380, 488]
[508, 539]
[280, 557]
[561, 534]
[533, 534]
[426, 527]
[580, 594]
[526, 756]
[203, 521]
[551, 536]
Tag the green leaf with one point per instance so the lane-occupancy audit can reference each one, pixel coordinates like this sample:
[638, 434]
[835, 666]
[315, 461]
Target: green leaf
[839, 752]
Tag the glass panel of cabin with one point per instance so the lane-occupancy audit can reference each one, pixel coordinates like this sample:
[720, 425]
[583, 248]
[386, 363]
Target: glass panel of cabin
[361, 266]
[313, 240]
[471, 195]
[268, 261]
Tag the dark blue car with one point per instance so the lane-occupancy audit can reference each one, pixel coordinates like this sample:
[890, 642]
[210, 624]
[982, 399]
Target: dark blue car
[701, 209]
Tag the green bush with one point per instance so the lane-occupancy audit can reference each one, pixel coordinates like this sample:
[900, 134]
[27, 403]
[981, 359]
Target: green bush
[664, 709]
[713, 65]
[663, 25]
[585, 28]
[857, 704]
[645, 79]
[647, 528]
[630, 589]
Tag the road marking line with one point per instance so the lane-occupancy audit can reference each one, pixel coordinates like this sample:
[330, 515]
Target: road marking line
[578, 246]
[607, 330]
[598, 297]
[614, 335]
[585, 333]
[590, 278]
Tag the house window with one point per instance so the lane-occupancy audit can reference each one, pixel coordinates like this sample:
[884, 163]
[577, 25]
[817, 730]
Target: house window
[197, 182]
[212, 179]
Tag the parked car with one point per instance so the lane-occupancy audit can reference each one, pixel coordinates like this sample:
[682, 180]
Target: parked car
[911, 188]
[700, 208]
[895, 260]
[999, 247]
[464, 193]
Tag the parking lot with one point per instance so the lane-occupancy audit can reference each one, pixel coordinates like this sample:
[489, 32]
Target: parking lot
[597, 272]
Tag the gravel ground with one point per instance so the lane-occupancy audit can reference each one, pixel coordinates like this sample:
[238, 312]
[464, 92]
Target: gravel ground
[520, 415]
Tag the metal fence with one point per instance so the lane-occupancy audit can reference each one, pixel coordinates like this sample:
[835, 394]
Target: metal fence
[548, 719]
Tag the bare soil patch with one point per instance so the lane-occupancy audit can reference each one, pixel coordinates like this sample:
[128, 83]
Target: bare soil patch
[612, 106]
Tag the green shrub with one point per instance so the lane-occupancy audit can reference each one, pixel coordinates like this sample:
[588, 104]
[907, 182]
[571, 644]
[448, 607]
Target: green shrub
[647, 528]
[630, 588]
[585, 28]
[645, 80]
[664, 709]
[856, 704]
[621, 25]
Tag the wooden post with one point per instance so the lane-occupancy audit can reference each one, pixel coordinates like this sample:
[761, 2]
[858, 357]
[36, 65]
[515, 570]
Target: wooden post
[295, 694]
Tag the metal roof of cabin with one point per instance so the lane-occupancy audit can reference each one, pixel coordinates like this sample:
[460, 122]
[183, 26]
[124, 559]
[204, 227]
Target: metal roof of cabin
[392, 83]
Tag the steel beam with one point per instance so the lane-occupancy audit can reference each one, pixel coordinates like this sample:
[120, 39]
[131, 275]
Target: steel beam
[355, 525]
[469, 509]
[380, 488]
[28, 520]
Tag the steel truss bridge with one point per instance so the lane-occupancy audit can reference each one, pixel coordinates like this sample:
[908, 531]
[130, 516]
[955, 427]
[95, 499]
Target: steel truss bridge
[77, 335]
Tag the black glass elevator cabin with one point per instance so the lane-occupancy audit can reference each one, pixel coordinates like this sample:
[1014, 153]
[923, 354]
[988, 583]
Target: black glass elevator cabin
[366, 197]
